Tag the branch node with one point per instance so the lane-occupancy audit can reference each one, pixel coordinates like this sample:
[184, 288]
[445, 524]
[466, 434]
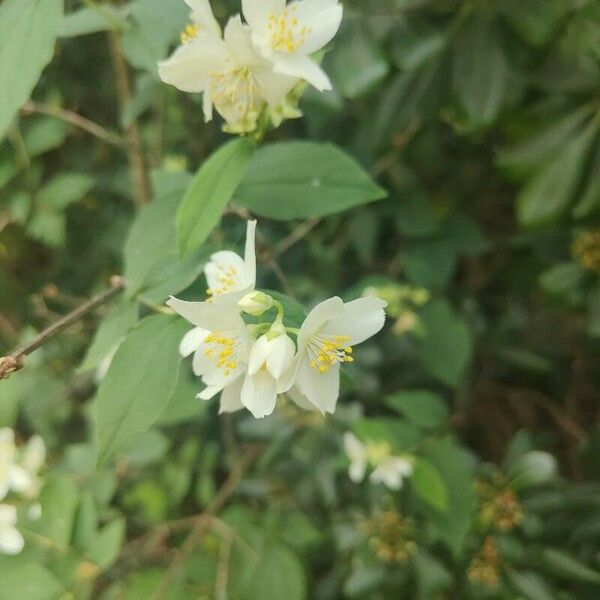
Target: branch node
[10, 365]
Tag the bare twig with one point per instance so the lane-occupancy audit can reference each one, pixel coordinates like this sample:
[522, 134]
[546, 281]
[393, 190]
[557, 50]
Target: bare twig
[75, 119]
[15, 361]
[295, 236]
[141, 184]
[222, 578]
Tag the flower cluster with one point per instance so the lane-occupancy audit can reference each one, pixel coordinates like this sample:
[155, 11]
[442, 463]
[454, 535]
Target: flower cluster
[484, 568]
[500, 507]
[19, 481]
[388, 468]
[250, 364]
[586, 250]
[391, 536]
[250, 68]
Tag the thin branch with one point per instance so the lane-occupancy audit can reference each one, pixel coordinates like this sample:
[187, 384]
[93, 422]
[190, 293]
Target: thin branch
[222, 578]
[296, 236]
[75, 119]
[141, 184]
[15, 361]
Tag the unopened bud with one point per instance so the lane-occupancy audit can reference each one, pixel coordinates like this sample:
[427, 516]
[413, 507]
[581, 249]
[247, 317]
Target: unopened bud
[256, 303]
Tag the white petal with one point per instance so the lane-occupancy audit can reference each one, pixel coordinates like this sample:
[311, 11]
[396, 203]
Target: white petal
[303, 67]
[20, 480]
[321, 389]
[11, 541]
[274, 87]
[8, 514]
[7, 442]
[192, 341]
[296, 395]
[231, 397]
[209, 315]
[256, 12]
[259, 395]
[280, 356]
[317, 317]
[355, 449]
[250, 254]
[210, 392]
[225, 264]
[357, 470]
[402, 465]
[202, 14]
[361, 319]
[207, 105]
[189, 67]
[386, 473]
[34, 455]
[239, 44]
[258, 354]
[322, 21]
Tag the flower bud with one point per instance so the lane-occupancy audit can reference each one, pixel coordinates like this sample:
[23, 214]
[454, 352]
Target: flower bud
[256, 303]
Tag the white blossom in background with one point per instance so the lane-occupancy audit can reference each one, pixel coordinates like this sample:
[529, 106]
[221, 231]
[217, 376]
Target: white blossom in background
[287, 35]
[11, 541]
[388, 469]
[325, 342]
[19, 482]
[232, 76]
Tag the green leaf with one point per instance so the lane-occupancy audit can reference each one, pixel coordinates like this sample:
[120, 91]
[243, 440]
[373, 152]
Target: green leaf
[535, 20]
[415, 43]
[210, 191]
[453, 524]
[424, 408]
[429, 485]
[589, 202]
[105, 547]
[530, 584]
[25, 580]
[399, 434]
[86, 521]
[480, 72]
[357, 64]
[139, 383]
[88, 20]
[562, 565]
[446, 345]
[184, 406]
[110, 333]
[547, 196]
[44, 134]
[28, 30]
[297, 180]
[155, 26]
[546, 143]
[276, 575]
[64, 189]
[564, 280]
[430, 263]
[59, 500]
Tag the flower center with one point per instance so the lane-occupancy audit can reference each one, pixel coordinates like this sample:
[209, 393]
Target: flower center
[233, 91]
[285, 32]
[327, 350]
[221, 349]
[228, 281]
[190, 32]
[377, 451]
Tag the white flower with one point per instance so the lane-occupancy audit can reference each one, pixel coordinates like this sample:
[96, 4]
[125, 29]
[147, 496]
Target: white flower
[325, 341]
[11, 541]
[7, 456]
[25, 476]
[391, 471]
[270, 358]
[287, 35]
[387, 468]
[229, 276]
[233, 77]
[357, 454]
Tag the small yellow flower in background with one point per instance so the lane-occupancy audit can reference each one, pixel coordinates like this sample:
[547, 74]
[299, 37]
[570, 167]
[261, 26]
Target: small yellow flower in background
[586, 250]
[391, 536]
[500, 507]
[484, 569]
